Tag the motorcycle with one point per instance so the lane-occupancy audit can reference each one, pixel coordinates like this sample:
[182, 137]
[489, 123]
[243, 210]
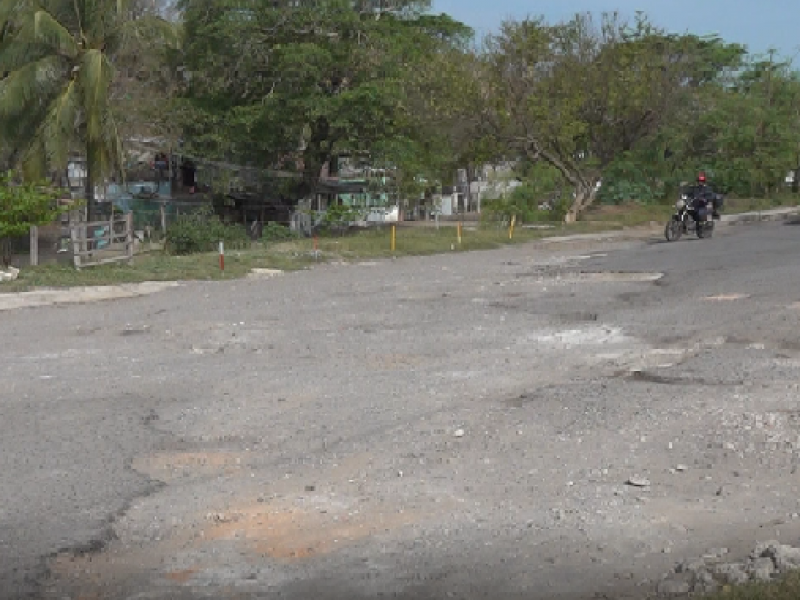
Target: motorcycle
[683, 222]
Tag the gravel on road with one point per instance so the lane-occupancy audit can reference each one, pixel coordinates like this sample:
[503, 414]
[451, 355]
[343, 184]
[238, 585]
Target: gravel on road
[532, 422]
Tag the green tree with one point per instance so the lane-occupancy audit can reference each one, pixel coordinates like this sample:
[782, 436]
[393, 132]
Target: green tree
[749, 136]
[296, 85]
[23, 205]
[579, 94]
[56, 97]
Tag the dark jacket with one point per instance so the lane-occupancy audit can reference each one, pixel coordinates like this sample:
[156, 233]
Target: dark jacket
[701, 195]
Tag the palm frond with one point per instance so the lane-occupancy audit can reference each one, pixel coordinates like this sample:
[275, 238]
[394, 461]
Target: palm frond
[30, 85]
[33, 159]
[11, 9]
[16, 54]
[38, 28]
[45, 29]
[95, 76]
[59, 127]
[104, 153]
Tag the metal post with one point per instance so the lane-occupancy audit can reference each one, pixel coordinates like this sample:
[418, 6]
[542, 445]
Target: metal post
[128, 236]
[34, 255]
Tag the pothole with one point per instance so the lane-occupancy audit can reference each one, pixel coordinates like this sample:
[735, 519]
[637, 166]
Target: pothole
[578, 317]
[248, 539]
[651, 377]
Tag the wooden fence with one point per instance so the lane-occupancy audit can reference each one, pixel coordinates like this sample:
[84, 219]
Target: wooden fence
[102, 242]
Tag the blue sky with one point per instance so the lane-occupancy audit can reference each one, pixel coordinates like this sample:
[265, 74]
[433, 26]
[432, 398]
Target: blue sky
[758, 24]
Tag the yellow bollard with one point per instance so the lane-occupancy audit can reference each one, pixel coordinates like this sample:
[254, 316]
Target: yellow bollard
[394, 237]
[511, 227]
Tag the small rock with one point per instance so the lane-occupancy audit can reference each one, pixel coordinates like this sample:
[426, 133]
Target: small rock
[673, 587]
[731, 573]
[637, 481]
[786, 557]
[762, 549]
[691, 566]
[762, 569]
[705, 579]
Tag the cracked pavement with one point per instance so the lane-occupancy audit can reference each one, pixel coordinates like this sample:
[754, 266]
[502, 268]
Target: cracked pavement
[450, 426]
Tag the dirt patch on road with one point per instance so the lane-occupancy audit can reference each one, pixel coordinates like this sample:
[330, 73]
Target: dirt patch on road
[303, 531]
[167, 466]
[82, 295]
[727, 297]
[255, 533]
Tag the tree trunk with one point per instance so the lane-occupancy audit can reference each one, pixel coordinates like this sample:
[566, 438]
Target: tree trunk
[585, 195]
[5, 251]
[89, 190]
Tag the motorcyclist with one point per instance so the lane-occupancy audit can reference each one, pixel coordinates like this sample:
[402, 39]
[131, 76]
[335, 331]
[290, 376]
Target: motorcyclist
[700, 197]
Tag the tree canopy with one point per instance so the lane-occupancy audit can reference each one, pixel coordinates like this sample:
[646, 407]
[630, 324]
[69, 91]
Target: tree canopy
[299, 85]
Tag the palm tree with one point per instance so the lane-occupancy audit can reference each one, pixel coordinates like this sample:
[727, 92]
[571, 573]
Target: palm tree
[58, 60]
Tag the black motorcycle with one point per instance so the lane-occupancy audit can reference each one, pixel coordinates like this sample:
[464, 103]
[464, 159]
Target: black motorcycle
[683, 221]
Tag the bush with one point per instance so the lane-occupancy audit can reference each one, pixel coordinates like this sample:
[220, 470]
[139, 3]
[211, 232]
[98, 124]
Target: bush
[201, 231]
[524, 201]
[273, 232]
[626, 181]
[339, 216]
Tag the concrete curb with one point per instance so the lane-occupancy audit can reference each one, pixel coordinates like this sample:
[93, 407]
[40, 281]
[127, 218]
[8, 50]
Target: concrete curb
[777, 214]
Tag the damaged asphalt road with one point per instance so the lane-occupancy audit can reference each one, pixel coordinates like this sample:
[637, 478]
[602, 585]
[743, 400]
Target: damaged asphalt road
[551, 421]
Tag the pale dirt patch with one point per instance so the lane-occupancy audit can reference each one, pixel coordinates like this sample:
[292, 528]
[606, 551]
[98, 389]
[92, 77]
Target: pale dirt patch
[587, 336]
[726, 297]
[299, 532]
[82, 295]
[395, 361]
[263, 273]
[168, 466]
[611, 277]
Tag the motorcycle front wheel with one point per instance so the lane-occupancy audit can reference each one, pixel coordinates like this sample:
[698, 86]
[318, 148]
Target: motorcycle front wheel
[673, 230]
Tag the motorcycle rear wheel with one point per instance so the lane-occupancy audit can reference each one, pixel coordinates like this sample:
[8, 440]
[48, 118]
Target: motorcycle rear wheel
[705, 231]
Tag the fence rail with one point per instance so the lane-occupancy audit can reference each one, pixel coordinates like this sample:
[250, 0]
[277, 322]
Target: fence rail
[103, 242]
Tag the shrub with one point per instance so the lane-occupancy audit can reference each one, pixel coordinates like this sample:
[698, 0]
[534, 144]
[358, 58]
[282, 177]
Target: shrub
[524, 202]
[626, 181]
[201, 231]
[273, 232]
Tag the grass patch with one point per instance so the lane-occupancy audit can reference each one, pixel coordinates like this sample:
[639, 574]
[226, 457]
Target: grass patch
[629, 215]
[157, 266]
[740, 205]
[785, 588]
[411, 240]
